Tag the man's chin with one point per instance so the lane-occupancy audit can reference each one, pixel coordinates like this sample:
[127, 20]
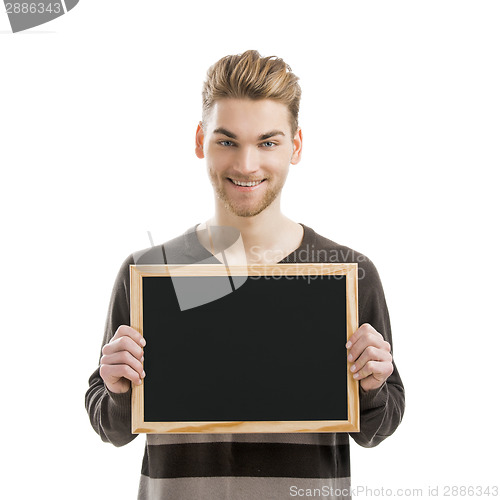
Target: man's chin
[244, 212]
[247, 210]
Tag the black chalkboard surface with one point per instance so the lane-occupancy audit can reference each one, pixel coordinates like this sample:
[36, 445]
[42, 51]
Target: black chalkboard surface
[267, 355]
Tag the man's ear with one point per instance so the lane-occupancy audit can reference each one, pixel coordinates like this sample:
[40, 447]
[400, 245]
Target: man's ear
[297, 147]
[200, 138]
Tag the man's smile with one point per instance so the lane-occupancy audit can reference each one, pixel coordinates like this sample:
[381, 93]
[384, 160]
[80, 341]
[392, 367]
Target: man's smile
[246, 185]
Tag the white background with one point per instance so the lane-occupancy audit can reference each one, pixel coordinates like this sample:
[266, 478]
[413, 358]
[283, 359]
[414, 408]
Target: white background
[400, 116]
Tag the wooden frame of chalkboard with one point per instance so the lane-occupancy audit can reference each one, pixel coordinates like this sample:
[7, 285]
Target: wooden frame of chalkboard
[261, 349]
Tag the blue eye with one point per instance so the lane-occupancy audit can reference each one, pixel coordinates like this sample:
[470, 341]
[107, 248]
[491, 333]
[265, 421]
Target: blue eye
[269, 144]
[226, 143]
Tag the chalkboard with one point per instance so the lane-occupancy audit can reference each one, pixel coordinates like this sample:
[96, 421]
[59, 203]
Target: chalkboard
[258, 349]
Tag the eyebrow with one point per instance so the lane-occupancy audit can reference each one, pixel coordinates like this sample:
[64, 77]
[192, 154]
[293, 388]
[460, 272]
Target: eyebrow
[263, 137]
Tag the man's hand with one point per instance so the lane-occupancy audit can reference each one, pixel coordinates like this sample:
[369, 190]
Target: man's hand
[121, 362]
[371, 357]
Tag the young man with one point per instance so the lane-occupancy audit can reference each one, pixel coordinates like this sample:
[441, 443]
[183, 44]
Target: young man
[249, 136]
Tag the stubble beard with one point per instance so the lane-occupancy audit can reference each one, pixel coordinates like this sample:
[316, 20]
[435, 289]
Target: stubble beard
[245, 211]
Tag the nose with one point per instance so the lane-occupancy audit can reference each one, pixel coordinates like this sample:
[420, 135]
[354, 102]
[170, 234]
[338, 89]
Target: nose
[247, 160]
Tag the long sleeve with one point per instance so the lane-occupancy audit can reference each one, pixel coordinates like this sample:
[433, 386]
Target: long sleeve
[109, 413]
[381, 410]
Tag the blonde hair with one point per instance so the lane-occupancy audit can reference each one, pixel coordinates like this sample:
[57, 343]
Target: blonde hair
[249, 75]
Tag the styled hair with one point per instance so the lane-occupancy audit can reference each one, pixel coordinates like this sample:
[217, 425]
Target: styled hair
[249, 75]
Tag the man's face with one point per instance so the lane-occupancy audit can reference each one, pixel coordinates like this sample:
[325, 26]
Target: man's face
[248, 141]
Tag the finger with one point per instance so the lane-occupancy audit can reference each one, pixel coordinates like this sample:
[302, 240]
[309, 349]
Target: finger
[364, 329]
[362, 344]
[124, 344]
[367, 338]
[123, 358]
[113, 373]
[128, 331]
[380, 370]
[371, 353]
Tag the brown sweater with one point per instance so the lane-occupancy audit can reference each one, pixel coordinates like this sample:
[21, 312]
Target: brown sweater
[248, 466]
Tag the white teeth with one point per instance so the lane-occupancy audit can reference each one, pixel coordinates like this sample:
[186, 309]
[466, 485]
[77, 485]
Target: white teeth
[247, 184]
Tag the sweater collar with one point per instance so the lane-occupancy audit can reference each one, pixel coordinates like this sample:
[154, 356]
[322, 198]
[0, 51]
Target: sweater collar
[198, 252]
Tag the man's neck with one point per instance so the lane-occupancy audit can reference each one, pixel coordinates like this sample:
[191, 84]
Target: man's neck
[264, 239]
